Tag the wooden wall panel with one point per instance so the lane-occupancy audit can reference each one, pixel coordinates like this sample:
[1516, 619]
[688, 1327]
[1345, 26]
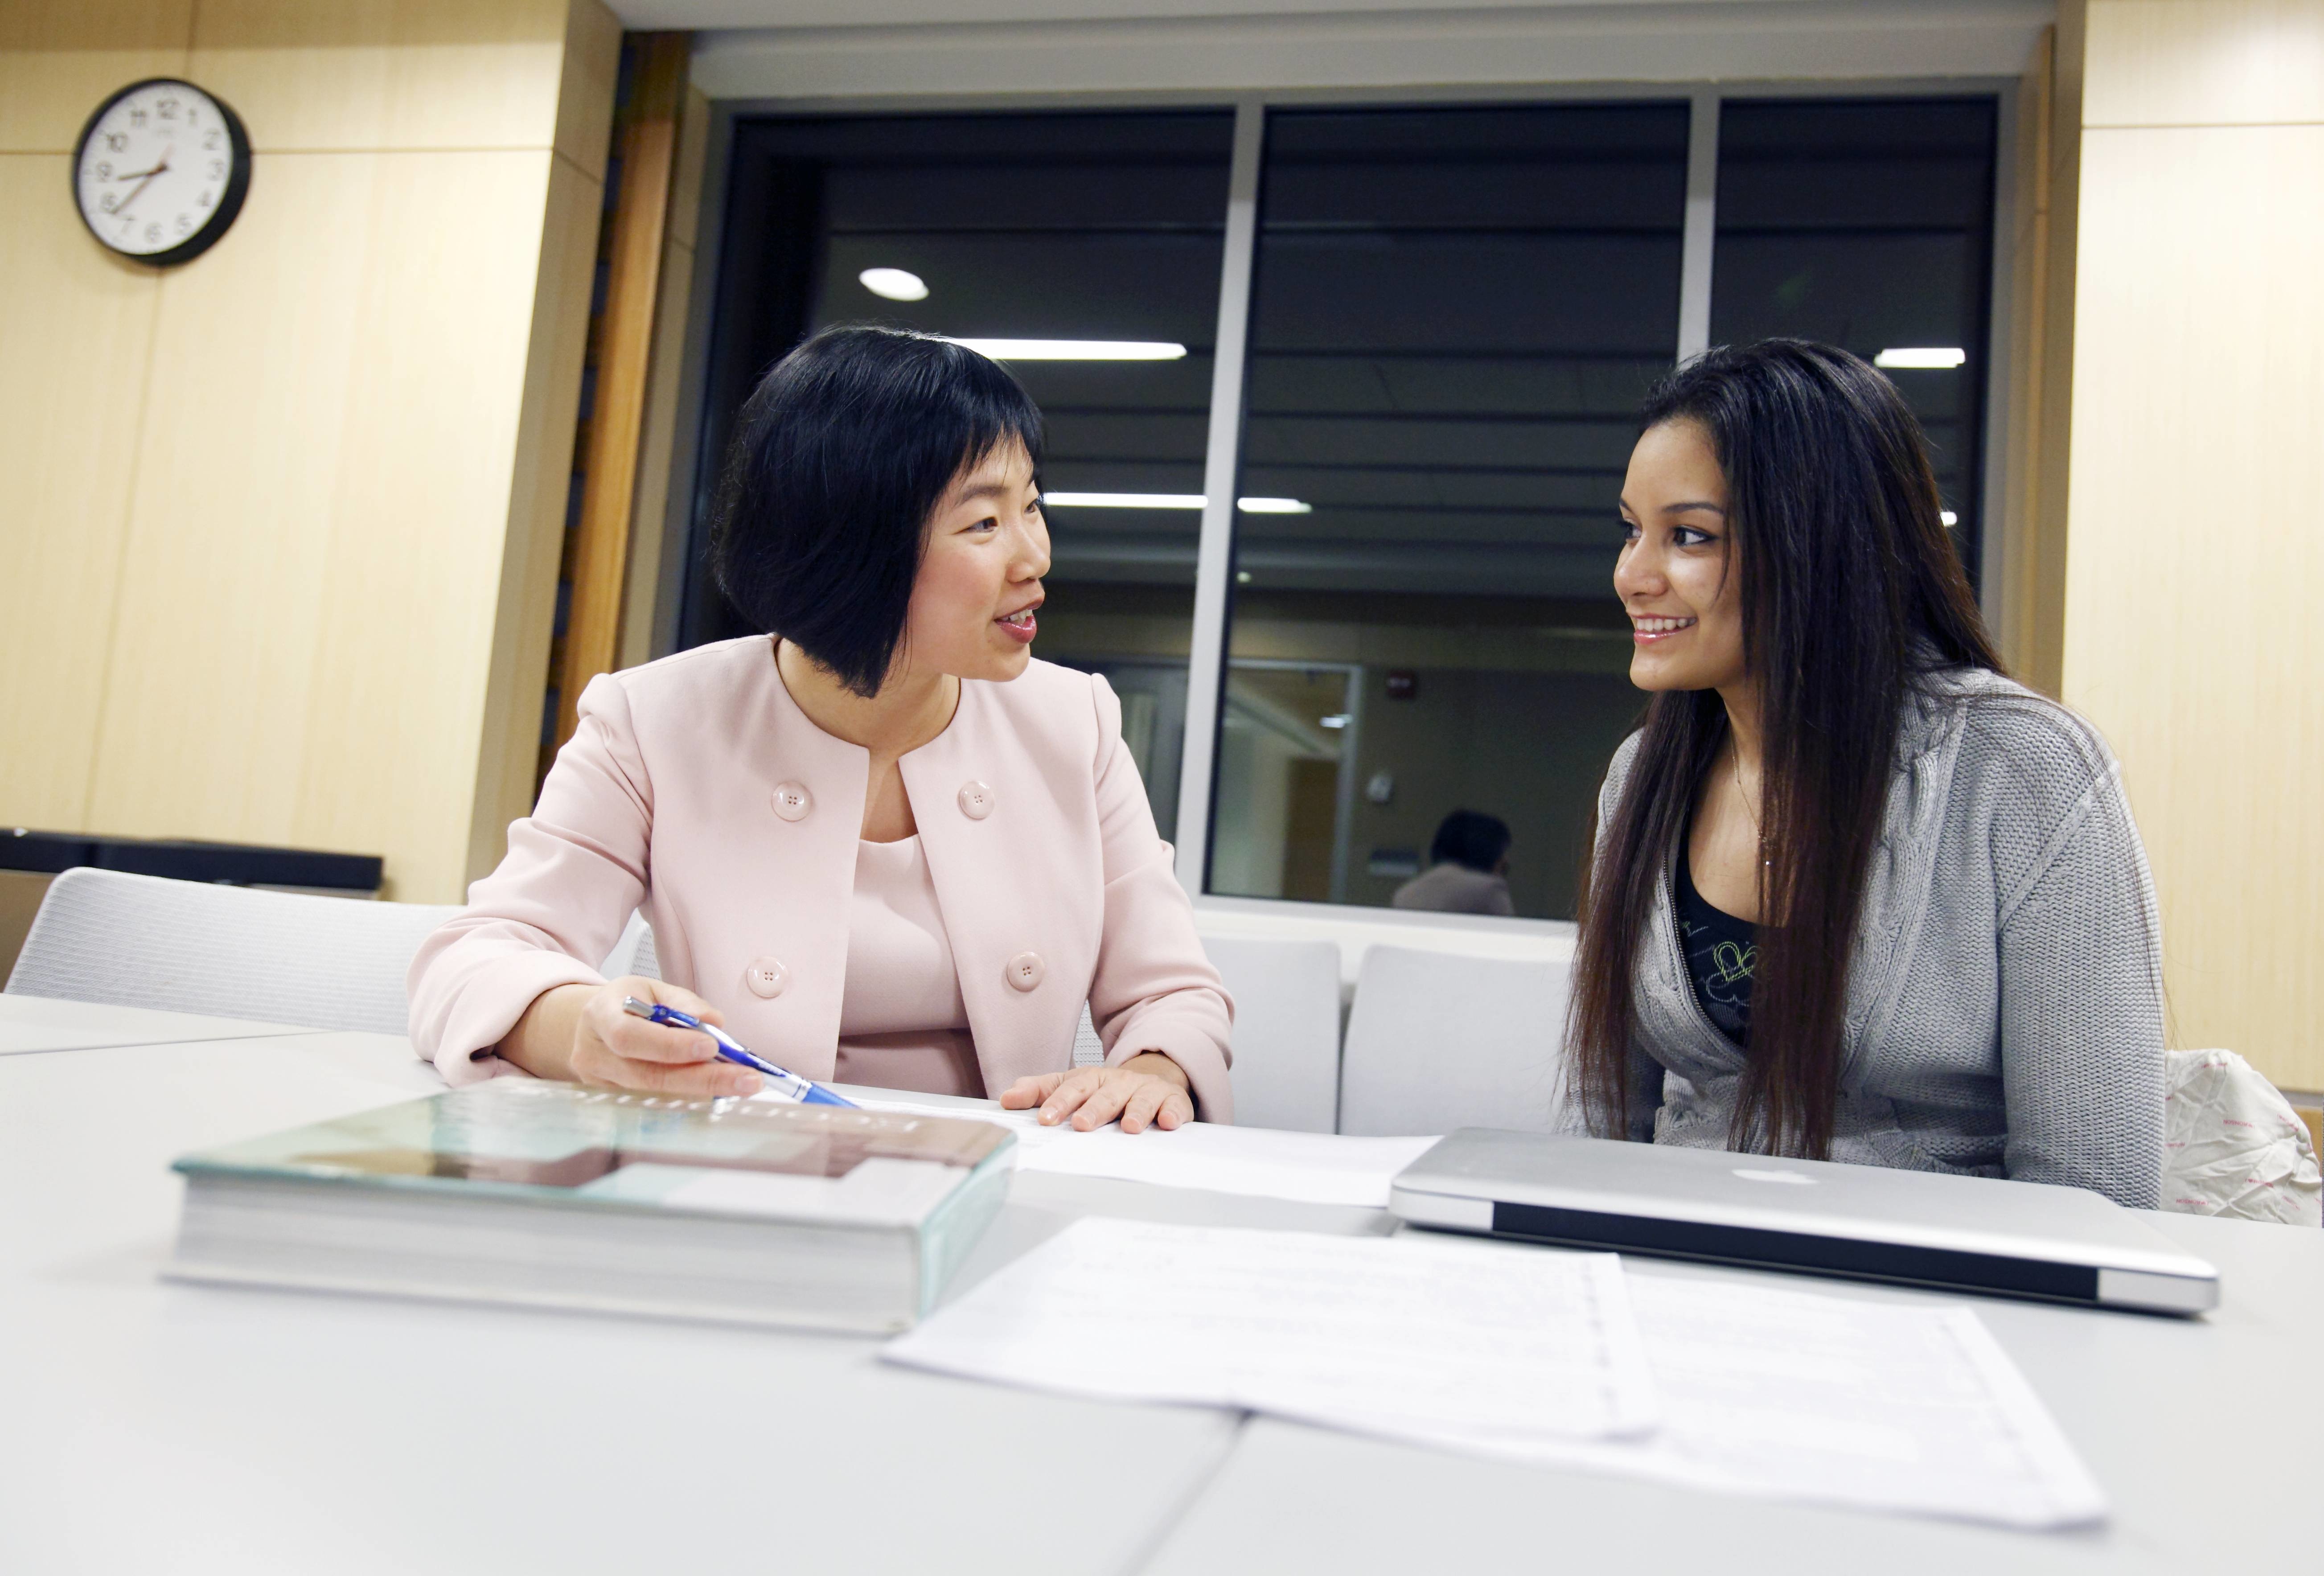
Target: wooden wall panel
[75, 331]
[2035, 534]
[317, 514]
[2205, 62]
[420, 516]
[60, 58]
[657, 453]
[2015, 591]
[585, 103]
[2199, 412]
[693, 152]
[526, 613]
[659, 459]
[288, 596]
[621, 353]
[375, 74]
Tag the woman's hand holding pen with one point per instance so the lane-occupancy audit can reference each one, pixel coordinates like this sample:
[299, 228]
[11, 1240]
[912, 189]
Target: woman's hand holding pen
[581, 1035]
[1150, 1089]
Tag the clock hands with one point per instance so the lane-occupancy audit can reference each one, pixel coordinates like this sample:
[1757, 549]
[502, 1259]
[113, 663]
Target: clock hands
[122, 207]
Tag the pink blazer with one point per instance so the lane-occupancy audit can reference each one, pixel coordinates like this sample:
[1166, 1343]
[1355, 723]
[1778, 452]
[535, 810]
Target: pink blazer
[696, 790]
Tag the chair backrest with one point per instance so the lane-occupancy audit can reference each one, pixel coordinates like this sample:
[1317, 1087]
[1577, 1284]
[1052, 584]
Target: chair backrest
[1287, 1030]
[1438, 1041]
[229, 952]
[633, 953]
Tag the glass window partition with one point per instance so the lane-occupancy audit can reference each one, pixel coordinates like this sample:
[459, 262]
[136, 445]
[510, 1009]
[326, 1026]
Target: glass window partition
[1081, 250]
[1868, 224]
[1455, 314]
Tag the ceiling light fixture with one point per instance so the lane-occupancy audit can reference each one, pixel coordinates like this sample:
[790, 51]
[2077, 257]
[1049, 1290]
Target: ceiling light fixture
[1948, 517]
[1336, 720]
[1172, 501]
[897, 285]
[1940, 357]
[1075, 349]
[1123, 500]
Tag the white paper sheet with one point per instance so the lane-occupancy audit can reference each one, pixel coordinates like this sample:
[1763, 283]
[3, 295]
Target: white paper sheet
[1398, 1336]
[1313, 1168]
[1795, 1396]
[1323, 1168]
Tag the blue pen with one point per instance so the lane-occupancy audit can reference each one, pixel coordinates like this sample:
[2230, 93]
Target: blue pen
[806, 1091]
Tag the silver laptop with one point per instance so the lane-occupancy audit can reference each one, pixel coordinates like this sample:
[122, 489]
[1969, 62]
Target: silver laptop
[1867, 1223]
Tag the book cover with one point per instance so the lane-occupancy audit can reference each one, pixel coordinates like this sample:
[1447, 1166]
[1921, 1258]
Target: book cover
[561, 1143]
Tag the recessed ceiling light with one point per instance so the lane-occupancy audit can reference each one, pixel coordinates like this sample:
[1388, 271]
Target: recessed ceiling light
[1926, 355]
[1172, 501]
[1948, 517]
[1124, 500]
[1336, 720]
[1075, 349]
[895, 283]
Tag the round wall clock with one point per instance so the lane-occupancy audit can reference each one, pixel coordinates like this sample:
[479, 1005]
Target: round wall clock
[161, 171]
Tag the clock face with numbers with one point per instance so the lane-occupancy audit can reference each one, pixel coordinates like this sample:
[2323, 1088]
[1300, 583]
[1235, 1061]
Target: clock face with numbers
[161, 171]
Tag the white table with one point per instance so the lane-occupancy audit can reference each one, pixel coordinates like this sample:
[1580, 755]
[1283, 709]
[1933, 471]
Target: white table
[146, 1426]
[41, 1023]
[2208, 1435]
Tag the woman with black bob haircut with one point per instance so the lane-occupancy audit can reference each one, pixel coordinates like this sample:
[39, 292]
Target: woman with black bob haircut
[879, 844]
[1854, 894]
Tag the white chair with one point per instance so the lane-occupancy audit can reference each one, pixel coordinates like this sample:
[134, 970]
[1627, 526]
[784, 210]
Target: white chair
[1287, 1030]
[1438, 1040]
[229, 952]
[233, 951]
[633, 953]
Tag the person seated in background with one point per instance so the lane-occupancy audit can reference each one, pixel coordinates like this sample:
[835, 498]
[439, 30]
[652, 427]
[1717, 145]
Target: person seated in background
[1468, 869]
[878, 844]
[1855, 894]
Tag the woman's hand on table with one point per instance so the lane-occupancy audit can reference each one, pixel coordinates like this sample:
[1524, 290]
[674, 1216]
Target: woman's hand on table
[580, 1034]
[1149, 1090]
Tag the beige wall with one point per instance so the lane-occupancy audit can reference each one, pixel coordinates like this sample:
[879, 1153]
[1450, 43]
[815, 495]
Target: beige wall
[282, 524]
[2194, 550]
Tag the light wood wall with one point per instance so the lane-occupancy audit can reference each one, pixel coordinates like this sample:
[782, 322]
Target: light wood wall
[281, 525]
[2194, 551]
[2028, 600]
[646, 633]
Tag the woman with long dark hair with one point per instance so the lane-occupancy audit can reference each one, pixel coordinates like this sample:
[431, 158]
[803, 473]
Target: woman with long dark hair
[1854, 894]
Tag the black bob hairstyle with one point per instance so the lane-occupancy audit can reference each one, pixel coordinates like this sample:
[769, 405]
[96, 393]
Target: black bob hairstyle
[1470, 839]
[840, 456]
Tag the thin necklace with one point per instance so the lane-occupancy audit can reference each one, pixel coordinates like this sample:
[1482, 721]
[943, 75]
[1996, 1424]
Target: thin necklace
[1735, 764]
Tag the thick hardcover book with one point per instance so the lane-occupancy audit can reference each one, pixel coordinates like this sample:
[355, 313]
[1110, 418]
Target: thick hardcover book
[522, 1191]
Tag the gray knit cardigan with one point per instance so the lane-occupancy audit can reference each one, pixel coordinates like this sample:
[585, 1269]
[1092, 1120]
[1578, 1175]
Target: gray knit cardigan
[2005, 1004]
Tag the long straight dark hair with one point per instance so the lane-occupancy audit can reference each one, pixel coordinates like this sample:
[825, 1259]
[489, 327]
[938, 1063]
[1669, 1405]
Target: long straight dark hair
[1851, 590]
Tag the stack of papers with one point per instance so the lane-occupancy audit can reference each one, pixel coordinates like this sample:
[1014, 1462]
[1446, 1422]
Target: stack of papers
[1323, 1168]
[1530, 1354]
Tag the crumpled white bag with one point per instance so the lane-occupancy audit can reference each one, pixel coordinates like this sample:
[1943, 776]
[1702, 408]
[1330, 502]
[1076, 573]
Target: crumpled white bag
[2232, 1146]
